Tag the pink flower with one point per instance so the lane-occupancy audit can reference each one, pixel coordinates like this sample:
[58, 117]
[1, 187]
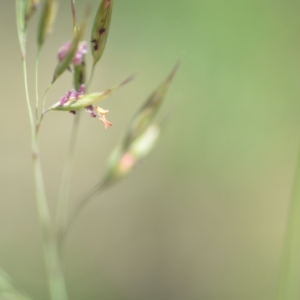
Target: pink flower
[78, 57]
[72, 94]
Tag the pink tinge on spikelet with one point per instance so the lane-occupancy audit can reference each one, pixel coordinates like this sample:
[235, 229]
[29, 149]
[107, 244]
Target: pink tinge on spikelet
[78, 58]
[72, 94]
[81, 51]
[90, 110]
[126, 162]
[63, 51]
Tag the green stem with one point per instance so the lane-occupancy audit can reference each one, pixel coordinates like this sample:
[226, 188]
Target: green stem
[288, 288]
[62, 208]
[54, 271]
[97, 189]
[36, 83]
[91, 78]
[56, 280]
[29, 108]
[64, 193]
[45, 95]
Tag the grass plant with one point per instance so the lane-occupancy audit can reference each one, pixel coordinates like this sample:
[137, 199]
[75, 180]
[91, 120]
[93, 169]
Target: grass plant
[141, 135]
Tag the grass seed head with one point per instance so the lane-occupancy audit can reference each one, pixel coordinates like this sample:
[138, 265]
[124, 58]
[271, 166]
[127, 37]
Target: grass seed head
[122, 162]
[100, 29]
[48, 15]
[31, 8]
[79, 75]
[146, 113]
[67, 53]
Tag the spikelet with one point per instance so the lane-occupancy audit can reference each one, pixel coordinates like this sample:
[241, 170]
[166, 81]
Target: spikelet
[20, 15]
[79, 75]
[31, 7]
[122, 162]
[75, 102]
[64, 64]
[100, 29]
[74, 18]
[141, 135]
[48, 15]
[145, 114]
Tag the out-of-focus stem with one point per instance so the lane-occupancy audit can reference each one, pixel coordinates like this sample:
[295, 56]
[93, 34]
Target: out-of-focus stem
[45, 95]
[288, 288]
[53, 266]
[29, 109]
[54, 271]
[62, 208]
[64, 193]
[97, 189]
[36, 84]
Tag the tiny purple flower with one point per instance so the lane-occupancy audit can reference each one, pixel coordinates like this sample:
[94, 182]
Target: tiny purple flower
[81, 51]
[63, 51]
[90, 110]
[81, 89]
[78, 58]
[72, 94]
[64, 99]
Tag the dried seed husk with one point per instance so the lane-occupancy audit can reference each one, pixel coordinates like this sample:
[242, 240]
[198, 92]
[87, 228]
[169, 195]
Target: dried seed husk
[31, 7]
[67, 60]
[48, 15]
[100, 29]
[145, 114]
[79, 75]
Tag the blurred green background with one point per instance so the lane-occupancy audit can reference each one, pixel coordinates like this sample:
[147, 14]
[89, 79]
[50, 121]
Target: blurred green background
[204, 217]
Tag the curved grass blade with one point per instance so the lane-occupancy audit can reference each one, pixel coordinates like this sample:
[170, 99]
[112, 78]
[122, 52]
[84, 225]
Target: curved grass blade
[100, 29]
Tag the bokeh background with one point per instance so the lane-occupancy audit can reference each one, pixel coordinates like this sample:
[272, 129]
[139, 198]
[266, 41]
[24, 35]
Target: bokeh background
[204, 216]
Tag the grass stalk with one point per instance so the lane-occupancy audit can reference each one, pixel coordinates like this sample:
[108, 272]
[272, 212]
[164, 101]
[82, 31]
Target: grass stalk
[56, 280]
[54, 271]
[36, 83]
[288, 288]
[62, 207]
[96, 190]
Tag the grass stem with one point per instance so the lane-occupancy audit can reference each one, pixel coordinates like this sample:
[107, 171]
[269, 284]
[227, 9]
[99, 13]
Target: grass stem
[36, 84]
[62, 207]
[288, 288]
